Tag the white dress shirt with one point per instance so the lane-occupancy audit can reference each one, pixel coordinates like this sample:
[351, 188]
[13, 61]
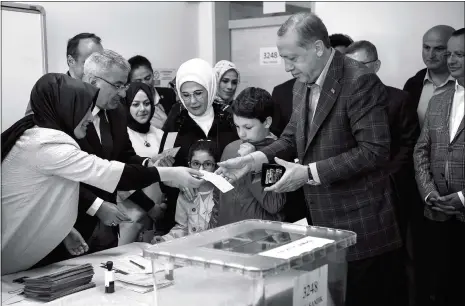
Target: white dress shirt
[40, 193]
[456, 117]
[92, 210]
[429, 90]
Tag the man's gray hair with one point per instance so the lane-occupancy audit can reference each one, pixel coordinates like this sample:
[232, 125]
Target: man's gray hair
[308, 27]
[364, 45]
[101, 62]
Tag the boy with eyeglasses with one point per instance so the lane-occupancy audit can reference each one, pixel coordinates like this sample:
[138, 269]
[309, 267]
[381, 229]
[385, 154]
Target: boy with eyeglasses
[252, 114]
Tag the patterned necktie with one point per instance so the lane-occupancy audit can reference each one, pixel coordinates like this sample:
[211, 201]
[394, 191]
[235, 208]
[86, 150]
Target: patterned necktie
[310, 111]
[105, 135]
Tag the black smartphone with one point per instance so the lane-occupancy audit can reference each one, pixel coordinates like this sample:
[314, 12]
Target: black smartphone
[271, 173]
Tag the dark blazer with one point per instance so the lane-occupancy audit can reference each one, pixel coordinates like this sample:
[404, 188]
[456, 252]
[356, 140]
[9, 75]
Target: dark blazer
[350, 142]
[414, 86]
[167, 98]
[434, 151]
[405, 129]
[282, 100]
[122, 151]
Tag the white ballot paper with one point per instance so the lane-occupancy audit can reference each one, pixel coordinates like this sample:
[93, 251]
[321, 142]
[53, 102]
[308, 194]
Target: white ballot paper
[217, 180]
[168, 152]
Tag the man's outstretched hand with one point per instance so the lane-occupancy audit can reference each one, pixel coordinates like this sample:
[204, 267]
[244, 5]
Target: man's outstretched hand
[235, 168]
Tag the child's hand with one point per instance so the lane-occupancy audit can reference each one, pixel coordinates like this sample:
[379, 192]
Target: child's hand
[157, 239]
[245, 148]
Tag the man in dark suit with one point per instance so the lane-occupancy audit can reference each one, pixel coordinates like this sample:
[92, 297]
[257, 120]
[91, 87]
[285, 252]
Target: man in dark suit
[78, 49]
[440, 173]
[107, 138]
[435, 78]
[405, 129]
[340, 131]
[282, 100]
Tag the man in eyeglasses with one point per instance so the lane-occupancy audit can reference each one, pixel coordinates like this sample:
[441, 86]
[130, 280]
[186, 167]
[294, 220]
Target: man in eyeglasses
[404, 129]
[106, 138]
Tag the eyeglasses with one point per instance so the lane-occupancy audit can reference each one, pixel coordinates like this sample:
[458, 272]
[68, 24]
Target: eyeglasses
[197, 95]
[206, 165]
[117, 87]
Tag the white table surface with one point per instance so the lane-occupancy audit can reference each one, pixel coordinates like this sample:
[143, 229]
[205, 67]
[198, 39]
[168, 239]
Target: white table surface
[190, 287]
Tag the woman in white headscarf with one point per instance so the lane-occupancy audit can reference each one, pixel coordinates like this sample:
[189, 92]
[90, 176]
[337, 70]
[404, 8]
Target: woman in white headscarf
[200, 118]
[228, 78]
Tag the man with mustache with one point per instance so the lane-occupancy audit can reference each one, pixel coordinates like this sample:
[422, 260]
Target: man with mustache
[435, 78]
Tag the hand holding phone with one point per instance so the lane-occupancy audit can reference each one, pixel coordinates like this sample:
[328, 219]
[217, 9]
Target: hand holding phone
[271, 173]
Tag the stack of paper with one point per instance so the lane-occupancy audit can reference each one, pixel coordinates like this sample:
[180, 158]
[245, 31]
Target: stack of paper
[141, 283]
[59, 283]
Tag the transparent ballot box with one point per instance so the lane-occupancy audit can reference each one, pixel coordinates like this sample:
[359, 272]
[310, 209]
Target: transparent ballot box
[255, 263]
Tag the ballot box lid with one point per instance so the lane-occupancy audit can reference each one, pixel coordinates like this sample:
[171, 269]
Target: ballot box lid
[256, 248]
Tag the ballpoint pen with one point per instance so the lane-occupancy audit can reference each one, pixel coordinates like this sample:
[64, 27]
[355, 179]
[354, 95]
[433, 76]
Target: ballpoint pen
[139, 265]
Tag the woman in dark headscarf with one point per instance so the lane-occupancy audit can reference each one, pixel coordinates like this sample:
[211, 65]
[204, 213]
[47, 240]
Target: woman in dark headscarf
[145, 139]
[42, 165]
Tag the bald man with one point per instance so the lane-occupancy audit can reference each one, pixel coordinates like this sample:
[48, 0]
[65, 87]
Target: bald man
[435, 78]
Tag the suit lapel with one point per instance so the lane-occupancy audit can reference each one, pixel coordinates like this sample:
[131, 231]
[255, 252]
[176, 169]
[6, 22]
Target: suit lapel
[446, 107]
[328, 96]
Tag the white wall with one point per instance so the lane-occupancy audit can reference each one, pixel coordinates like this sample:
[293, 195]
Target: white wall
[206, 34]
[395, 28]
[164, 32]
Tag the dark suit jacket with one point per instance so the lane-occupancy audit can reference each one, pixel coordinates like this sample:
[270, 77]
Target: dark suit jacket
[122, 151]
[167, 98]
[350, 142]
[282, 100]
[434, 151]
[414, 86]
[405, 129]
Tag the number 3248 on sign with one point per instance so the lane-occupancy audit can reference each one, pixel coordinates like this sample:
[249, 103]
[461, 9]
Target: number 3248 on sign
[269, 56]
[311, 288]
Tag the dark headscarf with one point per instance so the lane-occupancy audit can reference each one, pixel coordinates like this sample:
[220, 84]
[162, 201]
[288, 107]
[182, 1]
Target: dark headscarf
[59, 102]
[130, 94]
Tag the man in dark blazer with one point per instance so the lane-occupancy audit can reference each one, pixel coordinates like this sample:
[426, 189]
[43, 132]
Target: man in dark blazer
[340, 131]
[98, 216]
[404, 128]
[282, 99]
[440, 173]
[78, 49]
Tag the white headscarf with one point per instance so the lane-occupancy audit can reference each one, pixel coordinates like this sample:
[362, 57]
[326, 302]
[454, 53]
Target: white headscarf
[220, 69]
[199, 71]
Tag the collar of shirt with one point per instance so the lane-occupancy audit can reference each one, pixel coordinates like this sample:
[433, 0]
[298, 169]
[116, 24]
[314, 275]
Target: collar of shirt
[458, 87]
[321, 79]
[156, 96]
[428, 79]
